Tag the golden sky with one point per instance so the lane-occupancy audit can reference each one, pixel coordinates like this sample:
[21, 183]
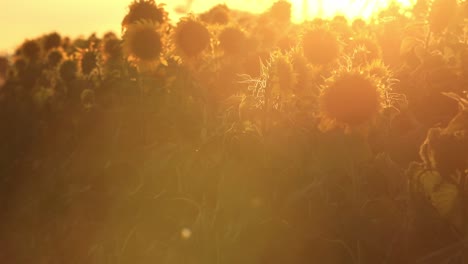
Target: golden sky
[22, 19]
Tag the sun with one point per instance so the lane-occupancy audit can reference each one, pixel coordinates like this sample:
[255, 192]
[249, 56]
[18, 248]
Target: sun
[352, 9]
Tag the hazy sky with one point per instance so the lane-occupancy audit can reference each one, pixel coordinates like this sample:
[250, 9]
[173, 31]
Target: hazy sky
[21, 19]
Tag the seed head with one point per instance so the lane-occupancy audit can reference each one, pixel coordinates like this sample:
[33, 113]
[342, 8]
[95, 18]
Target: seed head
[143, 42]
[281, 11]
[191, 37]
[68, 70]
[52, 40]
[219, 14]
[31, 50]
[55, 57]
[232, 40]
[147, 10]
[351, 98]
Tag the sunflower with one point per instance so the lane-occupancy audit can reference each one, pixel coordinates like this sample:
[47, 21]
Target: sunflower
[445, 152]
[51, 41]
[31, 50]
[219, 14]
[191, 37]
[281, 11]
[364, 50]
[377, 69]
[350, 98]
[143, 43]
[320, 46]
[111, 48]
[68, 70]
[55, 57]
[88, 61]
[145, 10]
[232, 41]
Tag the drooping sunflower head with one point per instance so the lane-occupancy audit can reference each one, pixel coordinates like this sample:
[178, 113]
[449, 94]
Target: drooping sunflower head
[350, 98]
[146, 10]
[51, 41]
[232, 41]
[219, 14]
[143, 43]
[320, 46]
[191, 37]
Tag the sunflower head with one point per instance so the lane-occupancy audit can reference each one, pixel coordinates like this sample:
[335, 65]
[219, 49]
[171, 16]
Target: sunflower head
[31, 50]
[445, 152]
[55, 57]
[88, 61]
[281, 11]
[320, 46]
[364, 50]
[111, 47]
[68, 70]
[232, 41]
[350, 98]
[219, 14]
[191, 37]
[51, 41]
[378, 69]
[146, 10]
[143, 43]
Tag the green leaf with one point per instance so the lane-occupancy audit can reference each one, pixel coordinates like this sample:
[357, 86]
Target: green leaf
[429, 180]
[445, 198]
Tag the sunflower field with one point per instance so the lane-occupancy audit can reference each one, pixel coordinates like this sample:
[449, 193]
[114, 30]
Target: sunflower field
[231, 137]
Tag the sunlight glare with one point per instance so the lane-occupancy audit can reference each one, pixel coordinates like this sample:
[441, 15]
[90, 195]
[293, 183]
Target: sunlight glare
[351, 9]
[302, 9]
